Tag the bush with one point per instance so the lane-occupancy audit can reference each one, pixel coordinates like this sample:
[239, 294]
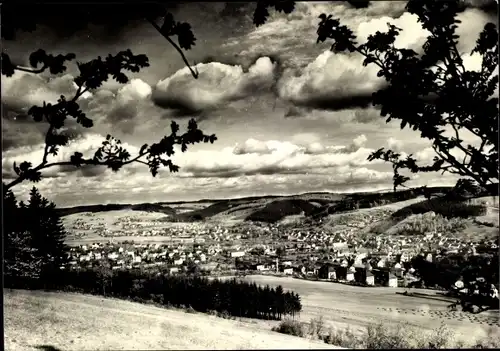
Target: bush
[316, 327]
[343, 338]
[190, 310]
[290, 327]
[491, 341]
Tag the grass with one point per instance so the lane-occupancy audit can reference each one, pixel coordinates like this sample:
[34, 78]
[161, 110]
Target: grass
[383, 336]
[64, 321]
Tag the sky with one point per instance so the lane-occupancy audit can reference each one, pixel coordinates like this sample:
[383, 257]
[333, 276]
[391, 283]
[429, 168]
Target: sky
[284, 108]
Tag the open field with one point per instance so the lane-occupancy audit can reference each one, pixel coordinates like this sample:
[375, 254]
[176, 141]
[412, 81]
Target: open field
[83, 322]
[343, 305]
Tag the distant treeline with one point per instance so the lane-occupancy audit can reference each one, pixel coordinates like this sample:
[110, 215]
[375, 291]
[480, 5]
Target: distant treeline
[227, 297]
[156, 207]
[443, 206]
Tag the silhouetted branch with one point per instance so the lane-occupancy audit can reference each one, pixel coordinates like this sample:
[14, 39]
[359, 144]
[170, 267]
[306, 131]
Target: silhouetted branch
[194, 72]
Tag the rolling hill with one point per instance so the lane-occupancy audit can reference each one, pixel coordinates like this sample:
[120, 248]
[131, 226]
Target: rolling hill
[313, 204]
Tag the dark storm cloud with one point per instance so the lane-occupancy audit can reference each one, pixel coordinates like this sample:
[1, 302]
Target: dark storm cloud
[103, 21]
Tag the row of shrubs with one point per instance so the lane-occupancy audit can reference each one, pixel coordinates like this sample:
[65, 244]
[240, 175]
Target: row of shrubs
[236, 298]
[380, 336]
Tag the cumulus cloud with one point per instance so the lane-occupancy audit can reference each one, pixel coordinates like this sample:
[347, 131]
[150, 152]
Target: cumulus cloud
[338, 81]
[331, 81]
[274, 157]
[394, 144]
[23, 90]
[124, 110]
[86, 144]
[217, 83]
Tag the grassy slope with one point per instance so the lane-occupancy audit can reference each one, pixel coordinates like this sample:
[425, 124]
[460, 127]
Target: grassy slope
[78, 322]
[355, 307]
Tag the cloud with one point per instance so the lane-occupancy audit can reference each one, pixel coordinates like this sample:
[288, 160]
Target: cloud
[394, 144]
[124, 110]
[217, 83]
[86, 144]
[274, 157]
[23, 90]
[335, 81]
[253, 146]
[331, 81]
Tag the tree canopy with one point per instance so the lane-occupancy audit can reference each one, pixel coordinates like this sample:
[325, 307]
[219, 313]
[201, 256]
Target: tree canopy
[433, 92]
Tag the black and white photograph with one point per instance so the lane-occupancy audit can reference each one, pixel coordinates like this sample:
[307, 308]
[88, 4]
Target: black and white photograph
[250, 175]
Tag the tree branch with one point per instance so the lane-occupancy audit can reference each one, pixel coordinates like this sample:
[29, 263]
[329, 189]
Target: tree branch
[29, 70]
[194, 73]
[46, 165]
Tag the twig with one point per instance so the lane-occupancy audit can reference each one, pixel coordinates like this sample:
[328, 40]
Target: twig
[179, 50]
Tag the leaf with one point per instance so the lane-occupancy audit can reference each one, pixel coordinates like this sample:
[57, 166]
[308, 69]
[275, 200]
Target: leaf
[7, 66]
[16, 169]
[25, 166]
[143, 148]
[185, 36]
[77, 159]
[39, 56]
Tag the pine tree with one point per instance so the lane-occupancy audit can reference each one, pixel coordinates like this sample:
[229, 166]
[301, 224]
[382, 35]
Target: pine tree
[47, 234]
[22, 263]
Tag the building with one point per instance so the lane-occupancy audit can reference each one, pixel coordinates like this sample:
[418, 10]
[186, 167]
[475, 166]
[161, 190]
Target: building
[237, 254]
[392, 282]
[327, 271]
[370, 278]
[260, 267]
[349, 276]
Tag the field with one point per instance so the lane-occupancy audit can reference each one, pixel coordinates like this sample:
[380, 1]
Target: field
[41, 320]
[344, 305]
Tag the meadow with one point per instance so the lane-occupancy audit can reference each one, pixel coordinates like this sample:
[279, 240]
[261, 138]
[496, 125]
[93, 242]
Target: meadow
[343, 306]
[63, 321]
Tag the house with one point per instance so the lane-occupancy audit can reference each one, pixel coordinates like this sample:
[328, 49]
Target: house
[349, 276]
[237, 254]
[428, 258]
[392, 281]
[341, 272]
[173, 270]
[370, 278]
[327, 271]
[261, 267]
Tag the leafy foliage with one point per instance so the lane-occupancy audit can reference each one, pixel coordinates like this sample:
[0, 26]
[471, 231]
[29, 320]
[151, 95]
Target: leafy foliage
[261, 13]
[92, 75]
[111, 154]
[432, 92]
